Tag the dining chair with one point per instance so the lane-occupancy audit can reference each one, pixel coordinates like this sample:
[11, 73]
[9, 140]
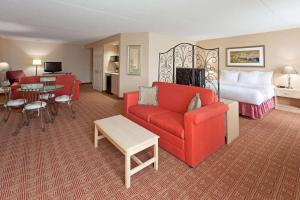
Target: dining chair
[31, 93]
[67, 99]
[48, 81]
[11, 104]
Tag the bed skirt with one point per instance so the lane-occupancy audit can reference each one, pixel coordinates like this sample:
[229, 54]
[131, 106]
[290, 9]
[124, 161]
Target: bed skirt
[256, 111]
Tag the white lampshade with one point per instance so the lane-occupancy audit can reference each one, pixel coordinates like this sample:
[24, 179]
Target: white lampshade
[289, 70]
[4, 66]
[37, 62]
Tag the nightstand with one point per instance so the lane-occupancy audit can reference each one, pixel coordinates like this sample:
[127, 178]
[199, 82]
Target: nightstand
[232, 120]
[287, 99]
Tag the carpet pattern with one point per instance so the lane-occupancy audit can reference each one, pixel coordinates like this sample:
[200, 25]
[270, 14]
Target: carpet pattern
[61, 163]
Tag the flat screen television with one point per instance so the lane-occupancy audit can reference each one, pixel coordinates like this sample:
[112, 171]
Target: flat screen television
[52, 67]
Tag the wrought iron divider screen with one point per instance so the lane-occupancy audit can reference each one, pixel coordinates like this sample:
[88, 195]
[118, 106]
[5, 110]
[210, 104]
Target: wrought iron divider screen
[187, 55]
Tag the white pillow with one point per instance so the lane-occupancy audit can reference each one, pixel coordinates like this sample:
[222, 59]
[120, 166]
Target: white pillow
[248, 77]
[194, 103]
[148, 96]
[265, 78]
[229, 76]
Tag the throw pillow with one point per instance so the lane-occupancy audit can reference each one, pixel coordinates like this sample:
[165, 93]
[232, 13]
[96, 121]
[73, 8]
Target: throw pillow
[195, 103]
[148, 96]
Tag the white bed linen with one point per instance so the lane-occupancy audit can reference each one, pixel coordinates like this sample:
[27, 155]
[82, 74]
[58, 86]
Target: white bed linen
[245, 93]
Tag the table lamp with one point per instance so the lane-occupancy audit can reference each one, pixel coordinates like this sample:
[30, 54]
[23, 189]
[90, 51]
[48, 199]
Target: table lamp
[36, 63]
[4, 66]
[289, 70]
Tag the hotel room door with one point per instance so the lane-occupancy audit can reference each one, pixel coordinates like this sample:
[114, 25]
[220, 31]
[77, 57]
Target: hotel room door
[98, 68]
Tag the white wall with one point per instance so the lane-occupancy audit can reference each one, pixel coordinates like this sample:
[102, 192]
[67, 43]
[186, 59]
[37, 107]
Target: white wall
[159, 43]
[132, 82]
[19, 55]
[281, 48]
[151, 45]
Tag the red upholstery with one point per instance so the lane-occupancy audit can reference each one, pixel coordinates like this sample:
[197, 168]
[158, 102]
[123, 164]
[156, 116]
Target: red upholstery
[190, 136]
[63, 79]
[14, 76]
[171, 122]
[181, 96]
[146, 112]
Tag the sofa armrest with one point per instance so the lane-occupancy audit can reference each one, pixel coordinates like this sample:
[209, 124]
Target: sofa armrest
[206, 112]
[130, 99]
[204, 132]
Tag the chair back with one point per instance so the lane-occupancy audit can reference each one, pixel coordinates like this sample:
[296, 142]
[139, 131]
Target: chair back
[31, 91]
[48, 80]
[72, 88]
[5, 86]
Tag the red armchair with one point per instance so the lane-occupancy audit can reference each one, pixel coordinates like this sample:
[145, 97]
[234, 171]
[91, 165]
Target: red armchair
[14, 76]
[190, 136]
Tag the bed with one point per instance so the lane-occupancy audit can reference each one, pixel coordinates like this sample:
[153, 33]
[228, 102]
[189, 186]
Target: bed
[253, 90]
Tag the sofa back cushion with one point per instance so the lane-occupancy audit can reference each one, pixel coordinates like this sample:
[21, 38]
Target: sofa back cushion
[176, 97]
[30, 79]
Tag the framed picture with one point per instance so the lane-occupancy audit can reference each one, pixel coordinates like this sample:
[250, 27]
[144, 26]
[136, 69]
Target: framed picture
[134, 60]
[253, 56]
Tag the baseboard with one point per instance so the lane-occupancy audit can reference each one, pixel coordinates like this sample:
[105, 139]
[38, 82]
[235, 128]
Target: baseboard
[85, 83]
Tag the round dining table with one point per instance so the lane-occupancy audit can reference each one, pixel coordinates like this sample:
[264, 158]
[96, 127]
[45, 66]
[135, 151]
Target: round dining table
[46, 88]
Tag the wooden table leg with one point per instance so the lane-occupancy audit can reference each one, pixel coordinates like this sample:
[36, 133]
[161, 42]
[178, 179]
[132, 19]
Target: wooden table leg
[127, 170]
[156, 156]
[96, 137]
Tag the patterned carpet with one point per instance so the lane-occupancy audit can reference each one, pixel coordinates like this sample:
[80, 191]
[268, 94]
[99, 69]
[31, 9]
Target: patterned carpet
[61, 163]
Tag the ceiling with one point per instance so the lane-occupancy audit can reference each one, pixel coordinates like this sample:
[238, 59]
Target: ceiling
[85, 21]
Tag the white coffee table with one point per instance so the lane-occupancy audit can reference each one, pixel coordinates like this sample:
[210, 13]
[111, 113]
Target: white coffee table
[130, 138]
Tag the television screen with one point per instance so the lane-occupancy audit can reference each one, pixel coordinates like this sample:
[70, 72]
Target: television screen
[189, 76]
[52, 66]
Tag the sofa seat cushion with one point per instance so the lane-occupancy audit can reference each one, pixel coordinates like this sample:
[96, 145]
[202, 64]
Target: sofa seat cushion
[171, 122]
[145, 112]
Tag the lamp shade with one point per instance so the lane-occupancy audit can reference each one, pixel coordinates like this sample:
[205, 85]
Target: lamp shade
[37, 62]
[4, 66]
[289, 70]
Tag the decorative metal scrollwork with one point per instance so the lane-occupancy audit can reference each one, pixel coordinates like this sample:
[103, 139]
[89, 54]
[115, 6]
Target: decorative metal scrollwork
[186, 55]
[166, 68]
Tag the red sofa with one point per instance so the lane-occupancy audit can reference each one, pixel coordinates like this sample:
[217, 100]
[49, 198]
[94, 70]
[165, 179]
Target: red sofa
[63, 79]
[190, 136]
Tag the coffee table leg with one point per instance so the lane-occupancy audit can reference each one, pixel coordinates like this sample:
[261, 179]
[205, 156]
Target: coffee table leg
[96, 137]
[156, 156]
[127, 171]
